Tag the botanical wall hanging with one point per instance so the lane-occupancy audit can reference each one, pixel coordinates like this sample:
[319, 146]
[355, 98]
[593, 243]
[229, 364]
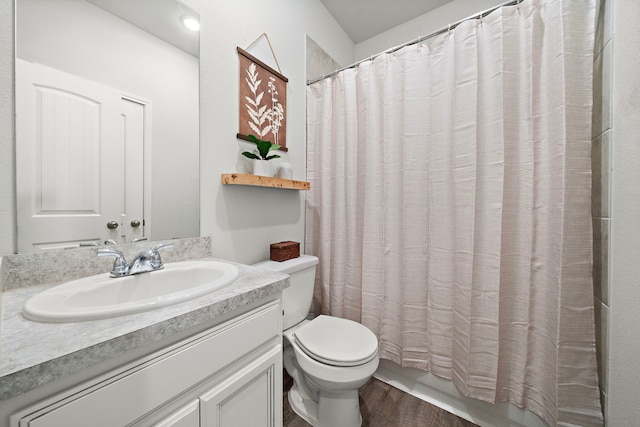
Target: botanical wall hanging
[263, 101]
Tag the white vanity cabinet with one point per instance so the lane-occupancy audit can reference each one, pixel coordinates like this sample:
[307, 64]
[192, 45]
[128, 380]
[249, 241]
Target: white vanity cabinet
[187, 416]
[228, 375]
[246, 397]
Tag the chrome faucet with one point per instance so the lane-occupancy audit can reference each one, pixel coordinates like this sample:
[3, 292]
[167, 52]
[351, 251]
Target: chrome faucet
[120, 266]
[145, 261]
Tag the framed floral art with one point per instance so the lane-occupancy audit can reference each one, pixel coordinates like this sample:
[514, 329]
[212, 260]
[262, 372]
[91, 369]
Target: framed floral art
[263, 101]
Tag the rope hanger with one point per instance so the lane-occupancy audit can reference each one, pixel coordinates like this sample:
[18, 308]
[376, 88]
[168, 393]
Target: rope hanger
[253, 43]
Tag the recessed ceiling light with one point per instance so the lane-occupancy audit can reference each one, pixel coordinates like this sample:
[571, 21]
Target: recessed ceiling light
[191, 23]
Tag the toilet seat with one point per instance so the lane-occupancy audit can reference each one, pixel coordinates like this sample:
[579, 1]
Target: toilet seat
[338, 342]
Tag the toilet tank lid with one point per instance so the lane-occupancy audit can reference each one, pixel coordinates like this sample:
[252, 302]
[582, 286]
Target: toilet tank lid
[289, 266]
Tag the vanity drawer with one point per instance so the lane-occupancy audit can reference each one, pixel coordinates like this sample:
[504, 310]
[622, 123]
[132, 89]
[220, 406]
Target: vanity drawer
[136, 390]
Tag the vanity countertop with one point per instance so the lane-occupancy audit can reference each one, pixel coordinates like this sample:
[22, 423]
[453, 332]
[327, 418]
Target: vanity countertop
[33, 354]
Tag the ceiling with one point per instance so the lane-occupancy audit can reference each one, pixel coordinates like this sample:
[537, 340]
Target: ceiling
[363, 19]
[158, 17]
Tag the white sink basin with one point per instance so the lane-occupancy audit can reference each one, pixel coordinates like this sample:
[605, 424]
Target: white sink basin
[101, 297]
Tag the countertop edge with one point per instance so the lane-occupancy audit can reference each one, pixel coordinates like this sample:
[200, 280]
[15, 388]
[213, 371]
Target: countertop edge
[23, 380]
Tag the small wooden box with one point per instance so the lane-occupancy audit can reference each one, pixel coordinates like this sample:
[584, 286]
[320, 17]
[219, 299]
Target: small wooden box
[284, 251]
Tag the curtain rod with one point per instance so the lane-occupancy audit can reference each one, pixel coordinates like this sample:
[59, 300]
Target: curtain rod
[419, 39]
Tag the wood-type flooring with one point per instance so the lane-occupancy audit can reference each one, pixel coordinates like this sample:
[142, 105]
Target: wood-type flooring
[382, 405]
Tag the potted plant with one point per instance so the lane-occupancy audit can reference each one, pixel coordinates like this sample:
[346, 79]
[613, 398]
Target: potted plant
[260, 164]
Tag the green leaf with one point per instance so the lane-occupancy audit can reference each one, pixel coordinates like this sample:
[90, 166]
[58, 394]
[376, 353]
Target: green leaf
[275, 156]
[263, 148]
[250, 155]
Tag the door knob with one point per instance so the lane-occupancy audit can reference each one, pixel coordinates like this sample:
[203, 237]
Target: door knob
[112, 225]
[135, 223]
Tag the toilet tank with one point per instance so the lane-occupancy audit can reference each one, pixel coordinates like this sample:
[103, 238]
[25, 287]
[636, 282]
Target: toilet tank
[296, 299]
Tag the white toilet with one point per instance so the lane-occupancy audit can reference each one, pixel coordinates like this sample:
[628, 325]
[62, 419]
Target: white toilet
[327, 357]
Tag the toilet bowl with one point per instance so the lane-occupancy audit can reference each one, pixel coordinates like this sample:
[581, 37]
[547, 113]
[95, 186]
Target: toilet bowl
[329, 358]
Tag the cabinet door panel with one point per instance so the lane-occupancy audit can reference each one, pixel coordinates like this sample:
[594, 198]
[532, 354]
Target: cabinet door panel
[158, 381]
[248, 397]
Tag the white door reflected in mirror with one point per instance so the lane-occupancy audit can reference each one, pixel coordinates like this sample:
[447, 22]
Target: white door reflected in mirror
[80, 160]
[140, 48]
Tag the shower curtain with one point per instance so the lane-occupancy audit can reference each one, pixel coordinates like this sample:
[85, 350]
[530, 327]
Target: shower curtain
[450, 206]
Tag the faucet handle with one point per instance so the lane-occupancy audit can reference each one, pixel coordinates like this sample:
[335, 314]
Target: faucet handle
[154, 255]
[120, 265]
[163, 245]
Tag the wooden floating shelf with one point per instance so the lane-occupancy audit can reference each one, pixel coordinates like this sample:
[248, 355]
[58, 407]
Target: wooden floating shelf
[264, 181]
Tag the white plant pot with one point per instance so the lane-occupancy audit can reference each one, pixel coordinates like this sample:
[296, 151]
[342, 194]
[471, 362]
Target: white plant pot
[262, 168]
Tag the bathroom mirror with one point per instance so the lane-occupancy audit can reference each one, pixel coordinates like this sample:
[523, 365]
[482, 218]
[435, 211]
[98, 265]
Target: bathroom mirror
[107, 118]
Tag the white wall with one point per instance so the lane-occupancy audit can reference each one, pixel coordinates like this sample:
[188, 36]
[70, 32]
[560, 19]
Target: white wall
[423, 25]
[319, 63]
[328, 34]
[242, 220]
[7, 158]
[624, 267]
[82, 39]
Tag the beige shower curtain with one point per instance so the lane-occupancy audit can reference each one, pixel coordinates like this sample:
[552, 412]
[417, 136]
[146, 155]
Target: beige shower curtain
[450, 206]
